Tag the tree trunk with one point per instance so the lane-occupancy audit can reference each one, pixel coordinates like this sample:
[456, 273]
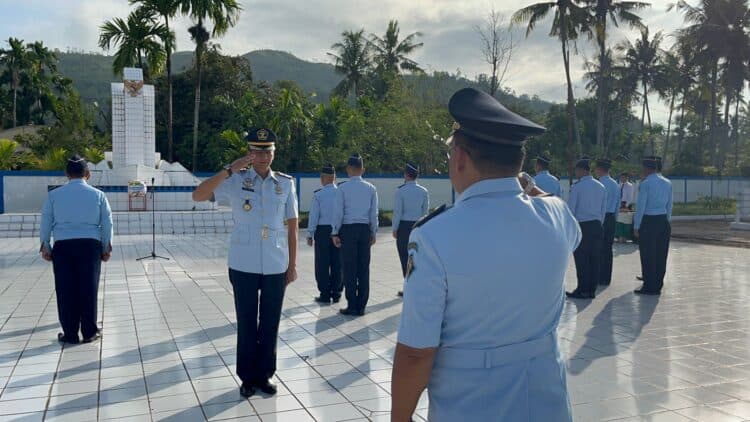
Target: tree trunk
[681, 135]
[647, 112]
[724, 145]
[170, 133]
[602, 90]
[571, 101]
[196, 111]
[735, 128]
[15, 102]
[669, 129]
[712, 121]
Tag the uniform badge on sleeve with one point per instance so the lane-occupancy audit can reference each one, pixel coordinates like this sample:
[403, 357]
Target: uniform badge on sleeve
[412, 248]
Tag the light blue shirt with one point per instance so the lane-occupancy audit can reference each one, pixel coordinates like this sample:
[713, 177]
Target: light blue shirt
[76, 210]
[488, 295]
[587, 200]
[321, 208]
[356, 203]
[654, 198]
[259, 243]
[411, 202]
[613, 194]
[548, 183]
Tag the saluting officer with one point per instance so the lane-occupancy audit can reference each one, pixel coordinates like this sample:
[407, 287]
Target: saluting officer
[653, 213]
[544, 179]
[603, 166]
[262, 253]
[355, 225]
[319, 228]
[479, 320]
[411, 202]
[587, 201]
[78, 217]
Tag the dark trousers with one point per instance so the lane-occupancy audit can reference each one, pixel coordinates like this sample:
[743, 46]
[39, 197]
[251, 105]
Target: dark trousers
[402, 242]
[608, 239]
[355, 260]
[587, 256]
[327, 264]
[654, 233]
[257, 334]
[77, 264]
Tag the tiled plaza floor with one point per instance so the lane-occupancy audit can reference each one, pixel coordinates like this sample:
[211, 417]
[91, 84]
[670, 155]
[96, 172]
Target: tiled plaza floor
[168, 346]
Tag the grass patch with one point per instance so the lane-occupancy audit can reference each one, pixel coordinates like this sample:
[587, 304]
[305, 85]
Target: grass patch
[706, 206]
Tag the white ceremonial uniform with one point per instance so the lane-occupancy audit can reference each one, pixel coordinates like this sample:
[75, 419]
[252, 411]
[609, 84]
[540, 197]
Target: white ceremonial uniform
[260, 209]
[478, 292]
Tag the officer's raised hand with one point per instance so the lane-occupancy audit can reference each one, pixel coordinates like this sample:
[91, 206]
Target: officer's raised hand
[241, 163]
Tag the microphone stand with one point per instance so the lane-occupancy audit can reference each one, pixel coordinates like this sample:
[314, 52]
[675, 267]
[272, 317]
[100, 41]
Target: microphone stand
[153, 254]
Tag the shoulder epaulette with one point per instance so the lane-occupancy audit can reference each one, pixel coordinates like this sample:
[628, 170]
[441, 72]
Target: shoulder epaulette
[401, 186]
[439, 210]
[317, 190]
[243, 171]
[341, 183]
[284, 175]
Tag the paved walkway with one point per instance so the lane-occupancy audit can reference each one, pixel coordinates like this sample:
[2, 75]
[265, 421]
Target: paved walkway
[168, 347]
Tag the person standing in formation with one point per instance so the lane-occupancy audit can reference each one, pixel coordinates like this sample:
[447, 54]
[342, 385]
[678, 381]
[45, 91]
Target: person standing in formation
[587, 202]
[480, 314]
[319, 228]
[603, 167]
[411, 202]
[355, 227]
[78, 217]
[262, 253]
[652, 227]
[544, 179]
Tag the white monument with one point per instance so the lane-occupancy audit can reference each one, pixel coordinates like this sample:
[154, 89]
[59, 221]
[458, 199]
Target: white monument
[134, 157]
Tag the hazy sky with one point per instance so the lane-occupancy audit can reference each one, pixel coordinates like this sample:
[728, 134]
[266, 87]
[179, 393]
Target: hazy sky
[307, 28]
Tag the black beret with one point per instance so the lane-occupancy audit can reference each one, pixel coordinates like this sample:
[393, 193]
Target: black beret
[604, 163]
[544, 158]
[481, 117]
[261, 139]
[355, 160]
[651, 162]
[583, 163]
[76, 165]
[412, 169]
[328, 169]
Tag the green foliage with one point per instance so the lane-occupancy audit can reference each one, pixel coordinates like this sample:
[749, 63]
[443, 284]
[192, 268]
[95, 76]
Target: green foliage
[8, 154]
[705, 206]
[55, 159]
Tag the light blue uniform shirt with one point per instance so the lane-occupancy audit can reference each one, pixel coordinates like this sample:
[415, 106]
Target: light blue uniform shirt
[76, 210]
[411, 202]
[613, 194]
[654, 198]
[489, 307]
[321, 209]
[356, 203]
[548, 183]
[587, 200]
[259, 242]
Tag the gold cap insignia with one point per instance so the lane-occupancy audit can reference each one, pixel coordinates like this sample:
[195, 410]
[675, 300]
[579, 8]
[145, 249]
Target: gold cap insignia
[262, 135]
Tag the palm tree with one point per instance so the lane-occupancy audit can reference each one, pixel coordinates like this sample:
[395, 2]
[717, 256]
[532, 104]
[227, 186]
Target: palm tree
[352, 59]
[9, 158]
[15, 59]
[569, 20]
[138, 42]
[643, 59]
[669, 89]
[223, 14]
[291, 123]
[41, 60]
[166, 9]
[616, 12]
[391, 54]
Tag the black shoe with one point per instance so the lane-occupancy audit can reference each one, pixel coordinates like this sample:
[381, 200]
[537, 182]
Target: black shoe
[95, 337]
[607, 283]
[347, 311]
[642, 291]
[321, 299]
[639, 278]
[336, 299]
[247, 390]
[62, 338]
[361, 312]
[579, 295]
[400, 294]
[267, 387]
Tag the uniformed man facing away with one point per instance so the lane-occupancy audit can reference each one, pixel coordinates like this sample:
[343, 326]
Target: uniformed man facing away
[411, 202]
[480, 313]
[544, 179]
[355, 226]
[319, 227]
[653, 213]
[78, 217]
[603, 166]
[262, 253]
[587, 201]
